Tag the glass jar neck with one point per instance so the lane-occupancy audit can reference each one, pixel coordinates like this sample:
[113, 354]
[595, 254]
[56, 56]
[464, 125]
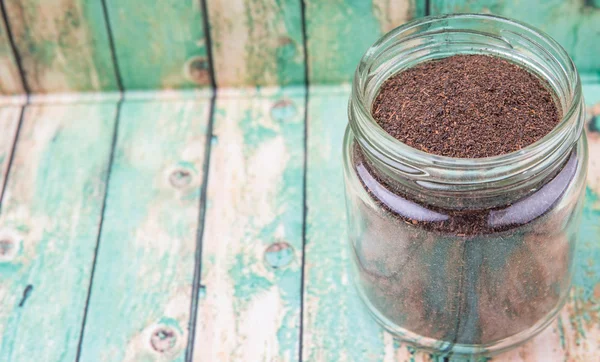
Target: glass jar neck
[458, 182]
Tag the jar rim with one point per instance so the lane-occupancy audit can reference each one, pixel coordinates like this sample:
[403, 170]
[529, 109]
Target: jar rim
[480, 180]
[483, 162]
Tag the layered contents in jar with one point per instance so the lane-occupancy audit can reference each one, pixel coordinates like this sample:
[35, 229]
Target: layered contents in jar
[461, 275]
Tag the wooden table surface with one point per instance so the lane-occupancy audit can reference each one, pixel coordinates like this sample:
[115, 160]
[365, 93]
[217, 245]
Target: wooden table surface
[192, 227]
[174, 225]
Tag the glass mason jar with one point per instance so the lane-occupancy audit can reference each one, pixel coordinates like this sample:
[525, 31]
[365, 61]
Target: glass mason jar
[454, 255]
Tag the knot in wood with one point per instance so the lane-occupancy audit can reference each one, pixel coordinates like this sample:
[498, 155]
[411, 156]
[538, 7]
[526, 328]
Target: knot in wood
[163, 339]
[285, 40]
[279, 254]
[594, 123]
[180, 178]
[197, 70]
[283, 109]
[8, 246]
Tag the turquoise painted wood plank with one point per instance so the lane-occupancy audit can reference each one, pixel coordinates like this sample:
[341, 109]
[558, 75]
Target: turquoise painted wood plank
[340, 31]
[9, 121]
[141, 293]
[49, 224]
[574, 24]
[10, 78]
[249, 308]
[257, 42]
[593, 98]
[63, 45]
[159, 44]
[337, 327]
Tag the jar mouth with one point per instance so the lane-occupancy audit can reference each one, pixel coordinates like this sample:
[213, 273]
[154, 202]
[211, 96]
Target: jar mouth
[442, 36]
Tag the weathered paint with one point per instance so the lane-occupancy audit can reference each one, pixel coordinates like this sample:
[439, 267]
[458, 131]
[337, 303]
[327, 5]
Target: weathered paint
[257, 42]
[141, 293]
[10, 78]
[249, 309]
[165, 95]
[593, 134]
[9, 120]
[340, 31]
[574, 24]
[159, 44]
[50, 218]
[63, 45]
[74, 98]
[336, 327]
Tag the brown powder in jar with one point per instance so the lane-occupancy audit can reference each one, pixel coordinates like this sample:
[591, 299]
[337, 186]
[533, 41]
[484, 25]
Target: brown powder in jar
[466, 106]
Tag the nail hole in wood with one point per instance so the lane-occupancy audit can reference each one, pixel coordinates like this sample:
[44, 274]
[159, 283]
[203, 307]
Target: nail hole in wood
[163, 339]
[202, 291]
[197, 70]
[594, 122]
[8, 246]
[286, 48]
[285, 40]
[594, 125]
[282, 110]
[279, 254]
[180, 178]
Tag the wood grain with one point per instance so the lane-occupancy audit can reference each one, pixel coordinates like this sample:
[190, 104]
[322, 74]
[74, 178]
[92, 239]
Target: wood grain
[257, 42]
[159, 44]
[49, 224]
[574, 24]
[141, 294]
[249, 308]
[336, 325]
[10, 78]
[63, 45]
[593, 132]
[9, 121]
[340, 31]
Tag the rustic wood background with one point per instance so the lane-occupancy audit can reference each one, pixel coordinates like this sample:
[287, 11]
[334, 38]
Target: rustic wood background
[70, 46]
[147, 216]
